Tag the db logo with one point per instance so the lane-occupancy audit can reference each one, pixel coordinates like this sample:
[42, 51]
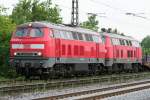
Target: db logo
[26, 45]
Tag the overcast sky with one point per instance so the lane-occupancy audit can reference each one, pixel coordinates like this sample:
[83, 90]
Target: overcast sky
[114, 10]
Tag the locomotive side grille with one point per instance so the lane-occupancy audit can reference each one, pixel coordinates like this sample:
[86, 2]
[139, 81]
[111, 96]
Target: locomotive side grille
[27, 54]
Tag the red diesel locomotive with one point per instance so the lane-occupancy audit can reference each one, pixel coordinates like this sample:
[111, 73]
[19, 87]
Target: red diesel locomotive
[124, 53]
[42, 48]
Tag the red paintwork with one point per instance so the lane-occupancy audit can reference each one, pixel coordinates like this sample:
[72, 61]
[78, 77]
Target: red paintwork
[113, 49]
[74, 49]
[109, 48]
[56, 47]
[29, 40]
[63, 48]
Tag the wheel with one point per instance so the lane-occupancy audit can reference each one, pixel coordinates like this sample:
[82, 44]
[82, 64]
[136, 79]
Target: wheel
[27, 73]
[135, 68]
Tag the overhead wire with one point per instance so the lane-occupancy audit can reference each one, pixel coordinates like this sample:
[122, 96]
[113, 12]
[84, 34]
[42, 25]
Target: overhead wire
[83, 12]
[118, 9]
[99, 14]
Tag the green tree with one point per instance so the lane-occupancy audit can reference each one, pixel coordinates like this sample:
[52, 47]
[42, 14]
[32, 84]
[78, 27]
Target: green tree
[2, 10]
[6, 27]
[22, 12]
[91, 23]
[34, 10]
[146, 42]
[146, 45]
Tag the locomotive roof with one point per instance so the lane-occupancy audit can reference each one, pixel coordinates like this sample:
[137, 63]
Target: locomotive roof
[112, 35]
[58, 26]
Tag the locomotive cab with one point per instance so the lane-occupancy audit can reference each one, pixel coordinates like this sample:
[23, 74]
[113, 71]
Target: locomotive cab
[28, 45]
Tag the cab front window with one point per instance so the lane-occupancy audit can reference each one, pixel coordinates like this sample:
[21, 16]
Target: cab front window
[29, 32]
[35, 32]
[21, 32]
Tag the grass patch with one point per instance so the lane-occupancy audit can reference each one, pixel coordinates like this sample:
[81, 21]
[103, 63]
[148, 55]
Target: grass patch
[3, 78]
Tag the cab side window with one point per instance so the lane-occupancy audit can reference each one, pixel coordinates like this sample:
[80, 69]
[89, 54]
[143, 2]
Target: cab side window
[88, 37]
[80, 36]
[96, 39]
[74, 35]
[56, 33]
[103, 39]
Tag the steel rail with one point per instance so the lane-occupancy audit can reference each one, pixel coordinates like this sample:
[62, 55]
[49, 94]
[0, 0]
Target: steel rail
[63, 96]
[114, 93]
[30, 87]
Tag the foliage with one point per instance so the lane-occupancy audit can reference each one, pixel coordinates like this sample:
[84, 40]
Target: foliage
[2, 78]
[2, 10]
[146, 42]
[5, 33]
[146, 45]
[91, 23]
[6, 25]
[34, 10]
[146, 51]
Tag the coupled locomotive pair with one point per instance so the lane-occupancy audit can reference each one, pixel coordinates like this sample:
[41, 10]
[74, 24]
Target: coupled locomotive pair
[42, 48]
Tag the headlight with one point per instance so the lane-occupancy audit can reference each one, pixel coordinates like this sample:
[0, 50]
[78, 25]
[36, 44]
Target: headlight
[15, 53]
[39, 53]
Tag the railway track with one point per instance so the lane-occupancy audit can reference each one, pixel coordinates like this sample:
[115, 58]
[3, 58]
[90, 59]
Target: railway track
[22, 81]
[47, 85]
[102, 92]
[26, 87]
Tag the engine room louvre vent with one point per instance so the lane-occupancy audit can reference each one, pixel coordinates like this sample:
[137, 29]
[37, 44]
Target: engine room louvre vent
[27, 54]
